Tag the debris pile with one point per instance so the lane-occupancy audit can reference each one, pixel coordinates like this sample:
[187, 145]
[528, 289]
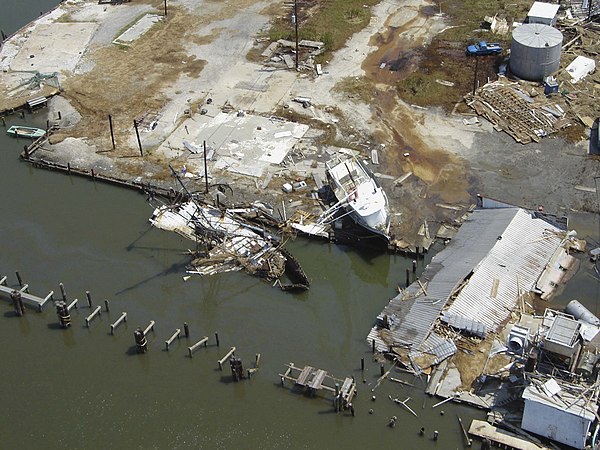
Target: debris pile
[512, 109]
[225, 242]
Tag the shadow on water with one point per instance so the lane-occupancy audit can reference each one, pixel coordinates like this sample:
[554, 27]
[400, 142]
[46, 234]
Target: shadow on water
[175, 268]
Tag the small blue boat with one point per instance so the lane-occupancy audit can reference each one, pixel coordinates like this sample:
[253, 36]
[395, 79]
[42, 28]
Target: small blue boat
[28, 132]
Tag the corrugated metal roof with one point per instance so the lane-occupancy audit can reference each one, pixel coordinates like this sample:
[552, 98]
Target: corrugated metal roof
[517, 259]
[416, 311]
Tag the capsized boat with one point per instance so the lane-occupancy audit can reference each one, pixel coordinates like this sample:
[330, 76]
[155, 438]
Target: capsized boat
[231, 244]
[359, 193]
[28, 132]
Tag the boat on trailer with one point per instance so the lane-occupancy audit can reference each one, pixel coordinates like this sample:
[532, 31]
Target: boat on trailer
[28, 132]
[359, 194]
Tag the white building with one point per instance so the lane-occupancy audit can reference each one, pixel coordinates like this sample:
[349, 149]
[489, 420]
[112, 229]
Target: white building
[544, 13]
[558, 412]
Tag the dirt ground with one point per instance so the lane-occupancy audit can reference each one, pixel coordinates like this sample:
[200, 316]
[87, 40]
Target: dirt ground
[200, 51]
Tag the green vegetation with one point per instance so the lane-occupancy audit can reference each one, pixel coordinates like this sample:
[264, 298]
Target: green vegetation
[445, 59]
[331, 22]
[360, 88]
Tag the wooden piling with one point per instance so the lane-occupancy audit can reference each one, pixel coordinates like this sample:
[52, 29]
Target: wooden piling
[107, 305]
[69, 168]
[257, 360]
[59, 115]
[62, 291]
[149, 327]
[72, 305]
[89, 298]
[194, 347]
[186, 330]
[362, 364]
[414, 266]
[117, 322]
[18, 303]
[19, 278]
[26, 151]
[407, 277]
[172, 338]
[224, 358]
[217, 338]
[373, 345]
[381, 369]
[97, 311]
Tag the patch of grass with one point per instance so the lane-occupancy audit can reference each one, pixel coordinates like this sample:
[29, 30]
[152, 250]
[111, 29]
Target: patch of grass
[360, 88]
[331, 22]
[445, 59]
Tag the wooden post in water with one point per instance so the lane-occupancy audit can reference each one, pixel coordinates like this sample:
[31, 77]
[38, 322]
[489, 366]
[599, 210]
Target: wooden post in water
[97, 311]
[137, 133]
[205, 169]
[414, 265]
[18, 303]
[112, 134]
[172, 338]
[69, 168]
[227, 355]
[62, 291]
[89, 298]
[373, 345]
[120, 320]
[140, 340]
[407, 277]
[19, 279]
[4, 37]
[107, 305]
[193, 348]
[62, 311]
[217, 338]
[186, 330]
[362, 364]
[149, 327]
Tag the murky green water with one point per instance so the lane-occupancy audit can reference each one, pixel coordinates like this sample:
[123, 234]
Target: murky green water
[83, 388]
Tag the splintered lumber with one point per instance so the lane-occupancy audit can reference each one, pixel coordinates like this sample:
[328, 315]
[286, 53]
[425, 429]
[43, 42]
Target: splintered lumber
[384, 376]
[403, 403]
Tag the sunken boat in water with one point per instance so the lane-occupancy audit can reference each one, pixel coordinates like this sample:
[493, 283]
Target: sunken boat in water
[229, 243]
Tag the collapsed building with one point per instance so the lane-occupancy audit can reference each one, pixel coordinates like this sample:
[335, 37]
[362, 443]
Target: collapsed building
[468, 324]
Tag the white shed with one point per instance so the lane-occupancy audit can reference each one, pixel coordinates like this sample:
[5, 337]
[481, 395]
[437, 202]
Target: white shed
[544, 13]
[566, 420]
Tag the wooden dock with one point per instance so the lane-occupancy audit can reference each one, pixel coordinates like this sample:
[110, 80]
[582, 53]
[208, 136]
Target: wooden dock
[501, 438]
[313, 380]
[31, 300]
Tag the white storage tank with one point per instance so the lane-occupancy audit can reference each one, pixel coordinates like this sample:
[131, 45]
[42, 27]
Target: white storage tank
[535, 51]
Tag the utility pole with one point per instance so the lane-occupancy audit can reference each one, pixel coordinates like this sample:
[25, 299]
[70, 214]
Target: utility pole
[165, 8]
[475, 76]
[296, 27]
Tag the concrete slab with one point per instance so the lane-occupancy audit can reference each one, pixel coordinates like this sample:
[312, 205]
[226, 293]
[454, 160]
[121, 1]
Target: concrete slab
[54, 47]
[242, 144]
[138, 29]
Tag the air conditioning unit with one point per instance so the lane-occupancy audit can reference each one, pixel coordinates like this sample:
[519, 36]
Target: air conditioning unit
[518, 339]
